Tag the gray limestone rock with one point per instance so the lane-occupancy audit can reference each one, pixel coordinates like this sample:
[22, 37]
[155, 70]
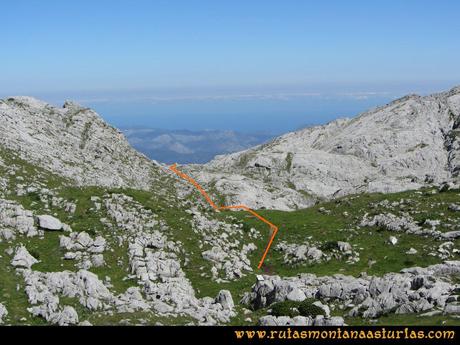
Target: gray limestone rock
[3, 313]
[49, 222]
[73, 142]
[388, 149]
[413, 290]
[224, 297]
[22, 258]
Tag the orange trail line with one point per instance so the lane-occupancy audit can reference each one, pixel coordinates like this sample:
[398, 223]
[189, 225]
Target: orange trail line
[273, 227]
[197, 186]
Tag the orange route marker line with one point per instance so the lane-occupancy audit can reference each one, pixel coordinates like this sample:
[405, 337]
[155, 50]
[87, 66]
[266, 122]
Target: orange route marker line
[272, 226]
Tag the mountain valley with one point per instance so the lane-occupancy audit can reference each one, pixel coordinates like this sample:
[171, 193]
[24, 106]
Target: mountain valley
[94, 233]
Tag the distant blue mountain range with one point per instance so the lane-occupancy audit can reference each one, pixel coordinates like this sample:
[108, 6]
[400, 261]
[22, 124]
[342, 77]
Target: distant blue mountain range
[185, 146]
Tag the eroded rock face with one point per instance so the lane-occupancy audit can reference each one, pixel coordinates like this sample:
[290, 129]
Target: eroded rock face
[73, 142]
[389, 149]
[413, 290]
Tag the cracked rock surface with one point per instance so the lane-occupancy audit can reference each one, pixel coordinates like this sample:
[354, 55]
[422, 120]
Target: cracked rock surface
[409, 143]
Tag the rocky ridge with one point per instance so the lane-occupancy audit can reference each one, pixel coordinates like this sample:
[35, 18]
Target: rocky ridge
[72, 142]
[410, 143]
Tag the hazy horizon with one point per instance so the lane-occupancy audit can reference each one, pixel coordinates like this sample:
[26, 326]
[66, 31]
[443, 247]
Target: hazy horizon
[274, 111]
[270, 66]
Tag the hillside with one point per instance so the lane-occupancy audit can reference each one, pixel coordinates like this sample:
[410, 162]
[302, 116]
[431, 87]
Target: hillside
[104, 236]
[408, 144]
[89, 228]
[73, 142]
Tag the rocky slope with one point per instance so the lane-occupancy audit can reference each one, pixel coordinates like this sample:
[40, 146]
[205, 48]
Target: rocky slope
[91, 228]
[118, 239]
[412, 142]
[73, 142]
[415, 290]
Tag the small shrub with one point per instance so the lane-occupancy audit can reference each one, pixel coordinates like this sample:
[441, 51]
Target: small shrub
[329, 246]
[292, 308]
[420, 219]
[286, 308]
[35, 254]
[246, 228]
[409, 263]
[307, 308]
[91, 232]
[289, 157]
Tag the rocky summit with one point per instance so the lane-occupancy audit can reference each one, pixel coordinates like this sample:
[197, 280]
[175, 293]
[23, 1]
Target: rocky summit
[73, 142]
[368, 209]
[410, 143]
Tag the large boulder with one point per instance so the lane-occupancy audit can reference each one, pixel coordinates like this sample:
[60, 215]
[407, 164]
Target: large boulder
[22, 258]
[224, 297]
[49, 223]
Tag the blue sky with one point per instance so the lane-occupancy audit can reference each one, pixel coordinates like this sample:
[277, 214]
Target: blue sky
[228, 64]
